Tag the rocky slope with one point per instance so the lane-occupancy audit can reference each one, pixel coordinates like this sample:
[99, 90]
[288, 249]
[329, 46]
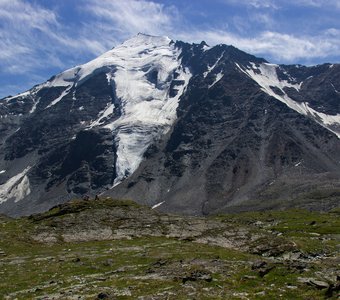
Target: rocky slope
[192, 128]
[114, 249]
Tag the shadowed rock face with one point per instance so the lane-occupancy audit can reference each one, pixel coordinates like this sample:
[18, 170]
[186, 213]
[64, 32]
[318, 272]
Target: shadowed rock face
[248, 135]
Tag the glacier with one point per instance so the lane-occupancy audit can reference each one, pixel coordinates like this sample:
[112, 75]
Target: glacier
[142, 71]
[146, 67]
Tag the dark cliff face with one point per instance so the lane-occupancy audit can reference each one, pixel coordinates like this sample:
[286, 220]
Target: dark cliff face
[233, 146]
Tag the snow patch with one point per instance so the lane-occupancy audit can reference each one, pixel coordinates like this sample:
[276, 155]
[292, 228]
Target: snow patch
[206, 48]
[17, 187]
[21, 95]
[266, 77]
[335, 89]
[217, 79]
[157, 205]
[34, 107]
[63, 94]
[2, 171]
[205, 74]
[103, 115]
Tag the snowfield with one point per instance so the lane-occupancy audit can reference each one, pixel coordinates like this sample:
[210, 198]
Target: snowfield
[266, 76]
[17, 187]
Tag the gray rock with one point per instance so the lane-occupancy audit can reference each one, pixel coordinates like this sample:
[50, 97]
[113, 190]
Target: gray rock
[318, 284]
[197, 275]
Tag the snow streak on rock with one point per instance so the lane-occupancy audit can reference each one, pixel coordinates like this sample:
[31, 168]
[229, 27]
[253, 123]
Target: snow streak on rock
[217, 79]
[205, 74]
[157, 205]
[266, 76]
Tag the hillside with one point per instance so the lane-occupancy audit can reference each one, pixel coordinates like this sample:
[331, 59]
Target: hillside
[117, 249]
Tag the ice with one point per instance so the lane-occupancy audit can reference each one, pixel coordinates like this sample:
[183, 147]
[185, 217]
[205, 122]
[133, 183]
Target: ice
[141, 73]
[217, 79]
[146, 115]
[266, 77]
[17, 187]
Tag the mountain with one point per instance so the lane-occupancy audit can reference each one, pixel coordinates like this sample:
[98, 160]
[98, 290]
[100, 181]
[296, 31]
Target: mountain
[185, 127]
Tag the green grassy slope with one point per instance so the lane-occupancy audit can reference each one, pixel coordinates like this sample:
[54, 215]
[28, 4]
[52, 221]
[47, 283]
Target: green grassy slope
[110, 249]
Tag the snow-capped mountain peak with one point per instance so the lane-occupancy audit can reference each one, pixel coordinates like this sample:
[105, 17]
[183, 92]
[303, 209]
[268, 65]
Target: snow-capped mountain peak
[196, 128]
[141, 70]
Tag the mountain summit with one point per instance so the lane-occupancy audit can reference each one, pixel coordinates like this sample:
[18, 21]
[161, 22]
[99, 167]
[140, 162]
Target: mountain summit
[186, 127]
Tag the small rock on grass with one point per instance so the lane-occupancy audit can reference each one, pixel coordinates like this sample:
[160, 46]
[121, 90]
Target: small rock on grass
[262, 267]
[108, 263]
[319, 284]
[106, 296]
[197, 275]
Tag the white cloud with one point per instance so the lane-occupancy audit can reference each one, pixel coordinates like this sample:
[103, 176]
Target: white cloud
[316, 3]
[282, 48]
[262, 3]
[278, 4]
[128, 17]
[259, 4]
[33, 37]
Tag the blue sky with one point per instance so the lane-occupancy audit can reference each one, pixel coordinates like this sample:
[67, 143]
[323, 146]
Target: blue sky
[39, 38]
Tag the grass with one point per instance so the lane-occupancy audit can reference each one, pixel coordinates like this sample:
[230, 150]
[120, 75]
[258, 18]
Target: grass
[153, 266]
